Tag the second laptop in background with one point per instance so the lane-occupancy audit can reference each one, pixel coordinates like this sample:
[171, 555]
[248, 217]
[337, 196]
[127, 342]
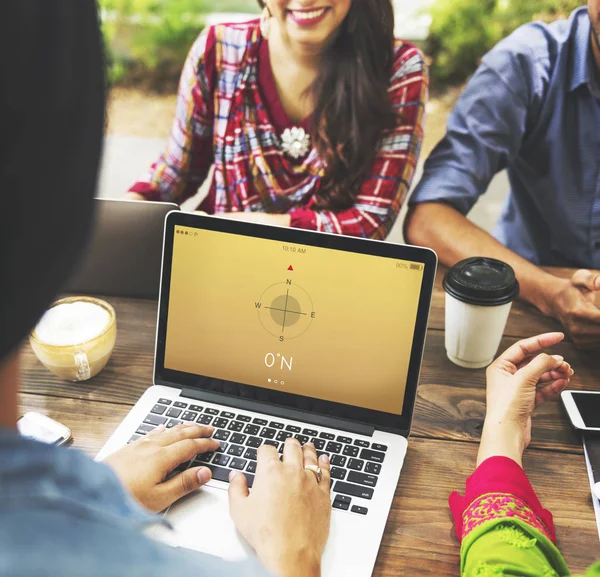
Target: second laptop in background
[124, 254]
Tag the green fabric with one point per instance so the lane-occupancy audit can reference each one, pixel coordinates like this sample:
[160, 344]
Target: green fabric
[502, 547]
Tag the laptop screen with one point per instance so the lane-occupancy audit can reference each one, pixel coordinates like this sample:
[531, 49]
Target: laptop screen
[290, 317]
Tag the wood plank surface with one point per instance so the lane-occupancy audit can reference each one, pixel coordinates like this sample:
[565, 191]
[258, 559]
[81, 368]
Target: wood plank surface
[129, 371]
[450, 401]
[419, 533]
[91, 423]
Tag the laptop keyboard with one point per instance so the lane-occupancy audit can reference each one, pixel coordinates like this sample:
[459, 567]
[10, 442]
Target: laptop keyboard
[355, 463]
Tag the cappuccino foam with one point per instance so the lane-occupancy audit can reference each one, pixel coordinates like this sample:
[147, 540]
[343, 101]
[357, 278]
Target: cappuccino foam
[72, 324]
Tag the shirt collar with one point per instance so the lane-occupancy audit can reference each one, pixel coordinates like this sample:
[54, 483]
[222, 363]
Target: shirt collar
[582, 65]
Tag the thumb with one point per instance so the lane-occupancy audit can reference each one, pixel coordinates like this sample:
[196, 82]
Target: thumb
[585, 279]
[238, 493]
[181, 485]
[540, 364]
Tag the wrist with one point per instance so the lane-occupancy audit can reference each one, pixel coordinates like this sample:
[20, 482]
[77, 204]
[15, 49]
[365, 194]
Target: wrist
[301, 563]
[501, 439]
[545, 295]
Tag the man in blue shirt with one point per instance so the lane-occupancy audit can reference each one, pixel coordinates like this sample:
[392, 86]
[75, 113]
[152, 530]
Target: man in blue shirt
[62, 514]
[533, 108]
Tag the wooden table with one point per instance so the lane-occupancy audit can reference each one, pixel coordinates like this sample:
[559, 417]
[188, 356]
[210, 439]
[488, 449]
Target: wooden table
[446, 428]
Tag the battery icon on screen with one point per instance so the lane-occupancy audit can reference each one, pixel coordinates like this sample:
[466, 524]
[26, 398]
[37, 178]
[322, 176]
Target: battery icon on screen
[415, 266]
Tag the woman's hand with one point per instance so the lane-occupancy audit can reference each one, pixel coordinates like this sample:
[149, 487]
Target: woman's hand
[143, 465]
[518, 381]
[286, 517]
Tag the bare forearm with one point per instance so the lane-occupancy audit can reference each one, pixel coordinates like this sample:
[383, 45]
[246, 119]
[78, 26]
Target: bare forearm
[500, 440]
[297, 565]
[455, 238]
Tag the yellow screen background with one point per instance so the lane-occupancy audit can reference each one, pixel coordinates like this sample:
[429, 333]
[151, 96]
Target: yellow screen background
[356, 349]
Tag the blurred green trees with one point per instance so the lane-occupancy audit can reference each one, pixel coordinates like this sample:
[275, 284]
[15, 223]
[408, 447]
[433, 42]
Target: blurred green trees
[462, 31]
[147, 40]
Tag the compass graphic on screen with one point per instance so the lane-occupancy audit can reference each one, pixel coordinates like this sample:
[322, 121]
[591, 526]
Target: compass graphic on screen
[285, 310]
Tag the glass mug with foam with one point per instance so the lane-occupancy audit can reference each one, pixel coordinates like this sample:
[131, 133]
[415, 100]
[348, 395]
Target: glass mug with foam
[75, 337]
[479, 296]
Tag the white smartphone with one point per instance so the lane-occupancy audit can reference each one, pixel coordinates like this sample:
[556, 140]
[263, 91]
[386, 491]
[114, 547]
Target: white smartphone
[42, 428]
[583, 408]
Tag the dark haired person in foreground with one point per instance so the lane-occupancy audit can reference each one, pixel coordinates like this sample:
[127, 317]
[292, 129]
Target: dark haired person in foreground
[312, 118]
[532, 107]
[62, 514]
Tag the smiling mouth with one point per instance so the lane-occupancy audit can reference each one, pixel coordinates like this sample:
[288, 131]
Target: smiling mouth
[308, 14]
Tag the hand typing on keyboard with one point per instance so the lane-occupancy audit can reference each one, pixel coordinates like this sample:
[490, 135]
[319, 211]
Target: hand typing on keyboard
[143, 466]
[286, 517]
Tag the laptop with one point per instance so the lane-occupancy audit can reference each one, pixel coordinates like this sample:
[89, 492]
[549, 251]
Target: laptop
[267, 332]
[124, 255]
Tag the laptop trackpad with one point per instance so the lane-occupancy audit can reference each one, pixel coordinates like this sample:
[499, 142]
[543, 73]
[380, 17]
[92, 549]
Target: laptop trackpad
[201, 522]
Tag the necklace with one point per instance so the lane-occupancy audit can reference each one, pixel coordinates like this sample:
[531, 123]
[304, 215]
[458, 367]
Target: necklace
[295, 142]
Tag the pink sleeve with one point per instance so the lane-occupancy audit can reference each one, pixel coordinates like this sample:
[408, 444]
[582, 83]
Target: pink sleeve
[388, 180]
[184, 165]
[499, 488]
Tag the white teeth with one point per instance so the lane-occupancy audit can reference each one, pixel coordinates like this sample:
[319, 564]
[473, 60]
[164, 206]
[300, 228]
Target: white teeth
[309, 15]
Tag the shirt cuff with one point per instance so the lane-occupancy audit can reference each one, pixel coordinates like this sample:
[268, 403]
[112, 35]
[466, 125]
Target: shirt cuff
[448, 185]
[303, 218]
[499, 488]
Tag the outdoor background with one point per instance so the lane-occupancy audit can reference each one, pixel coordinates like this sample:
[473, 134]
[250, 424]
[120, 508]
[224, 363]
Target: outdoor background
[147, 42]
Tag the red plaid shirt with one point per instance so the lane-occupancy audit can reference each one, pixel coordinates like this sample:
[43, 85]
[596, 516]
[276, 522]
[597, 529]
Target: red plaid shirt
[228, 114]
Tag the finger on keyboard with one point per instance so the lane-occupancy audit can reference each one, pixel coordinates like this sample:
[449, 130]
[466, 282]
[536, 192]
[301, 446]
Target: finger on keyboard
[325, 467]
[310, 455]
[292, 453]
[186, 450]
[184, 431]
[156, 431]
[267, 457]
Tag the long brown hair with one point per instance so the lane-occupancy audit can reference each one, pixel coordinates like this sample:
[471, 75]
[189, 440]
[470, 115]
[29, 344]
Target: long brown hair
[352, 107]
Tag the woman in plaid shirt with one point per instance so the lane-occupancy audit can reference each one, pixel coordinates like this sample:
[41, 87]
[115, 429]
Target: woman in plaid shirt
[312, 117]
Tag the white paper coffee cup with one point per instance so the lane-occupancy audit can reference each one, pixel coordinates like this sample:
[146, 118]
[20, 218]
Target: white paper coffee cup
[479, 296]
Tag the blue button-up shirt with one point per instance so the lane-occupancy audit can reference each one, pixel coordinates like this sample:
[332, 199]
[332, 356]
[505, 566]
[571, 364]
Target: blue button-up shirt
[532, 107]
[64, 515]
